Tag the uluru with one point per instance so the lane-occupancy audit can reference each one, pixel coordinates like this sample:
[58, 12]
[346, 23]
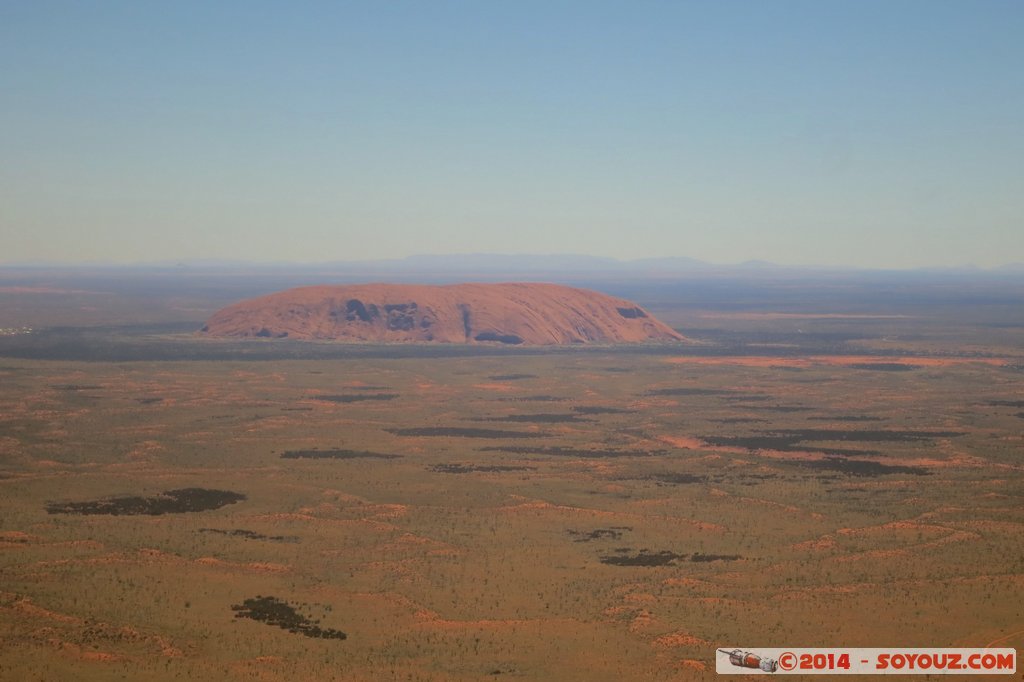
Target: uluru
[514, 313]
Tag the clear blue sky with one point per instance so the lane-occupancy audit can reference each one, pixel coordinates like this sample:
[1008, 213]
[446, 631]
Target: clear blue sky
[872, 133]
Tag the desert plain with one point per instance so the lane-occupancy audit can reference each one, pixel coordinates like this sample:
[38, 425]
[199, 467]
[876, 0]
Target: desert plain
[817, 467]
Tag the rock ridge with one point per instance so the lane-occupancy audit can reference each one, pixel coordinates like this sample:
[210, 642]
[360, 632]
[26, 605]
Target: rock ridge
[512, 313]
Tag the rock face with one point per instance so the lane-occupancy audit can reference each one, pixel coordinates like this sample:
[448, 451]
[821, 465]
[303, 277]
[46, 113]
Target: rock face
[529, 314]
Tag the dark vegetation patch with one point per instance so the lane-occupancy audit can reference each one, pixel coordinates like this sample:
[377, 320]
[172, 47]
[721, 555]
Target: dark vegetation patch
[643, 558]
[700, 558]
[461, 432]
[618, 370]
[532, 398]
[1006, 403]
[789, 439]
[296, 409]
[597, 409]
[250, 535]
[536, 418]
[169, 502]
[746, 398]
[796, 440]
[612, 533]
[847, 418]
[148, 401]
[356, 398]
[511, 377]
[781, 408]
[876, 435]
[273, 611]
[500, 338]
[746, 478]
[782, 443]
[862, 468]
[471, 468]
[883, 366]
[689, 391]
[679, 479]
[737, 420]
[560, 451]
[663, 558]
[335, 454]
[75, 387]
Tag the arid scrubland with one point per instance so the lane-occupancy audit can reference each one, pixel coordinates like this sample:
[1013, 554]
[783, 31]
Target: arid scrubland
[564, 515]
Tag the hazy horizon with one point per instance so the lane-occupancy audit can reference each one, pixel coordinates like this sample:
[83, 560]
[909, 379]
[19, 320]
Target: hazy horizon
[571, 262]
[873, 135]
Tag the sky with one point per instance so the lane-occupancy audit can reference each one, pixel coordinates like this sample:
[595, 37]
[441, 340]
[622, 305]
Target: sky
[868, 133]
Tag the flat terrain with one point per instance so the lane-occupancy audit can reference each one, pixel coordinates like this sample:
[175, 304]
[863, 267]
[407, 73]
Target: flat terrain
[808, 475]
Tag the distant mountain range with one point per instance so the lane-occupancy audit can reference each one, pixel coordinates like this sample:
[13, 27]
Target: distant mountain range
[490, 265]
[490, 262]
